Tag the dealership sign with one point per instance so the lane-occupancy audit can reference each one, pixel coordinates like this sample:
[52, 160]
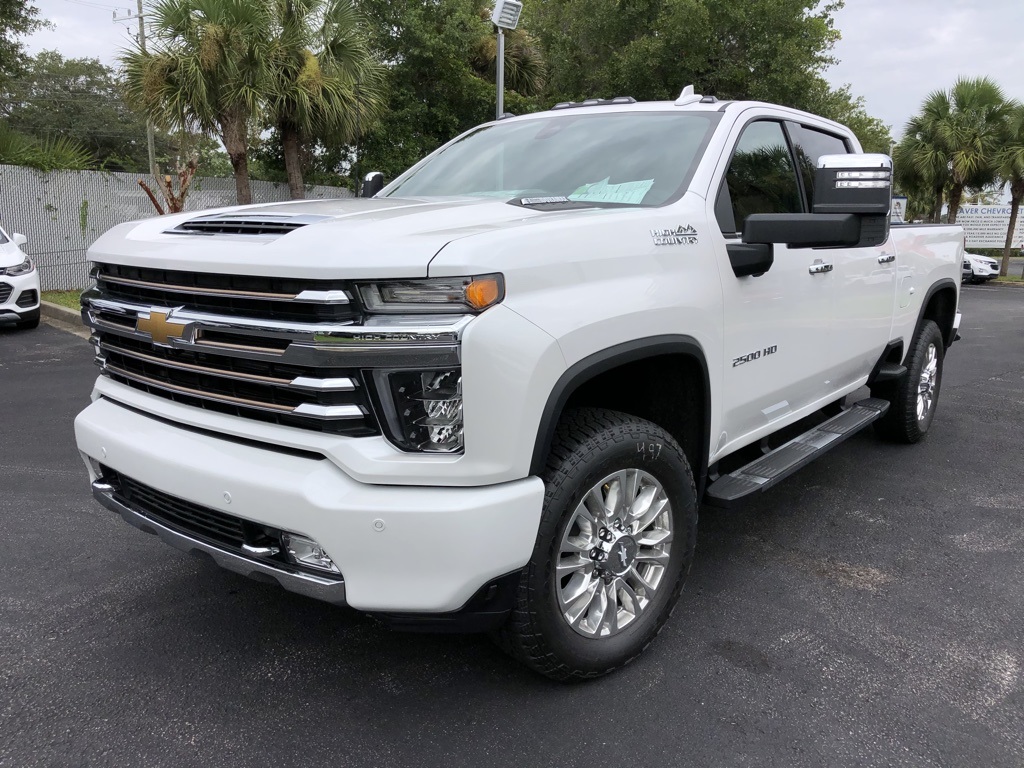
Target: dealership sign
[985, 226]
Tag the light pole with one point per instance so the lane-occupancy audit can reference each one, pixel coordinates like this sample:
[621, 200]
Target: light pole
[505, 16]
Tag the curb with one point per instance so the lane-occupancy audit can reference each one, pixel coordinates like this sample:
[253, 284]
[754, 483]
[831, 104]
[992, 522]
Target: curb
[58, 312]
[64, 318]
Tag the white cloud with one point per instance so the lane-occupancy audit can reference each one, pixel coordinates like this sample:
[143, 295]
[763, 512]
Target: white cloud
[895, 53]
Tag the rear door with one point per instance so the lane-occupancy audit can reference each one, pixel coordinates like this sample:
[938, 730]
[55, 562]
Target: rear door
[864, 279]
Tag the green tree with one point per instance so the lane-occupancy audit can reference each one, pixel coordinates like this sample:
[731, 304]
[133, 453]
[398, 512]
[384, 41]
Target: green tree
[325, 82]
[1010, 168]
[207, 70]
[439, 80]
[49, 154]
[80, 99]
[971, 134]
[840, 105]
[921, 159]
[17, 19]
[772, 50]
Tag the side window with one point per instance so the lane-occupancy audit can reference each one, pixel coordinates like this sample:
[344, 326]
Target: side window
[761, 177]
[810, 144]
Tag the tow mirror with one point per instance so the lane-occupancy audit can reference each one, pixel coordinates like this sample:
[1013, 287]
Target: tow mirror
[373, 183]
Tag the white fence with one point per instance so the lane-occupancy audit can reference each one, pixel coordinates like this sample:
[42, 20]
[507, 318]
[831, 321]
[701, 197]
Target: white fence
[63, 212]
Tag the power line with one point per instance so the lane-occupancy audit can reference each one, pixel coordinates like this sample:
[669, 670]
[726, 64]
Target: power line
[102, 6]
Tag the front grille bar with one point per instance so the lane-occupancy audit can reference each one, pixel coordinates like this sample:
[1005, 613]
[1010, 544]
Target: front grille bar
[305, 409]
[306, 296]
[340, 384]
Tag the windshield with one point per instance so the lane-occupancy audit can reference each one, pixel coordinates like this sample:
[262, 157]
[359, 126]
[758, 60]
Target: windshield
[633, 158]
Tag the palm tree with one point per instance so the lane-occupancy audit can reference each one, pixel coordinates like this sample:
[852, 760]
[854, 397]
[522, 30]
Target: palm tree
[525, 68]
[325, 82]
[921, 159]
[1010, 168]
[971, 134]
[205, 71]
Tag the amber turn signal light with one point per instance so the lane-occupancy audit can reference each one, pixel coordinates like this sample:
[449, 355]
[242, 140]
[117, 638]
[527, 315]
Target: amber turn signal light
[483, 292]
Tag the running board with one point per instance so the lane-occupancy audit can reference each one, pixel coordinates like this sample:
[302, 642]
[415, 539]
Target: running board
[763, 473]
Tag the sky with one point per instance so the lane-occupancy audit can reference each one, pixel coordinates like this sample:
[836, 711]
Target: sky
[893, 52]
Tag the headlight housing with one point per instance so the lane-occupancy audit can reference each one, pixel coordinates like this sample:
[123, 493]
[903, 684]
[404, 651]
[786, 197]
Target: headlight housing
[21, 269]
[423, 409]
[433, 295]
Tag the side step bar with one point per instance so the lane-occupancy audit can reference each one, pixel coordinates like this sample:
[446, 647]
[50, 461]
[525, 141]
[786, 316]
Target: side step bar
[763, 473]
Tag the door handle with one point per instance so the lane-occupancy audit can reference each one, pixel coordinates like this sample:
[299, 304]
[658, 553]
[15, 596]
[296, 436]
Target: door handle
[819, 267]
[886, 258]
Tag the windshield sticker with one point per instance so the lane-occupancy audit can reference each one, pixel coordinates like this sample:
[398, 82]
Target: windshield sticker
[679, 236]
[631, 192]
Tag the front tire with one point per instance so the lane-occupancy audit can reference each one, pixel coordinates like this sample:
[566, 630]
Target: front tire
[913, 399]
[615, 543]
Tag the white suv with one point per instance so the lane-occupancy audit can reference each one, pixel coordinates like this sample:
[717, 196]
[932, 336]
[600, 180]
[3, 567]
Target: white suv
[979, 269]
[19, 284]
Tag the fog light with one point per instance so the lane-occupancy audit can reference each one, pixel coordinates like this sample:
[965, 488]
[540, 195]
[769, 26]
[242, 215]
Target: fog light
[303, 551]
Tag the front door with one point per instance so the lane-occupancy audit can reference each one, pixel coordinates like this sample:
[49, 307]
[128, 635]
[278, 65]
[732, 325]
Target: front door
[778, 325]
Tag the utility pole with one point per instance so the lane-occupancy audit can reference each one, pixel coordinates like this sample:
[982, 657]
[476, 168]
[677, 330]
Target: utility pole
[142, 44]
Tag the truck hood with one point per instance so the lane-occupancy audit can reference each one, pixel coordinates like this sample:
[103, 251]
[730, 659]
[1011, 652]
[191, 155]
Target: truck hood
[355, 238]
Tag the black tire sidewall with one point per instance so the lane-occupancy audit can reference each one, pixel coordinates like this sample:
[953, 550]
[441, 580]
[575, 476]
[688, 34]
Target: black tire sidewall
[599, 456]
[906, 404]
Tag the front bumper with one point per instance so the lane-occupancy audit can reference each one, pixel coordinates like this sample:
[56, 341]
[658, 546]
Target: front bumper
[328, 590]
[19, 296]
[400, 549]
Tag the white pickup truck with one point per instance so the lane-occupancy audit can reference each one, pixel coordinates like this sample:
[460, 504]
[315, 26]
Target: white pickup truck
[494, 395]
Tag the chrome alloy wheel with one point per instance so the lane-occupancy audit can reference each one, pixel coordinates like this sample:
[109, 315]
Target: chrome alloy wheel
[926, 386]
[614, 553]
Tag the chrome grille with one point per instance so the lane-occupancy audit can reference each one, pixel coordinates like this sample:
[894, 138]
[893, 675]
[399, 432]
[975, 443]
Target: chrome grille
[239, 295]
[310, 374]
[329, 400]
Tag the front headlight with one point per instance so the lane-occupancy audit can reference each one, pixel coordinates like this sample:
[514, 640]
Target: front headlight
[433, 295]
[22, 269]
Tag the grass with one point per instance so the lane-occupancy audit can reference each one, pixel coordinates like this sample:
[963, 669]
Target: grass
[1010, 279]
[70, 299]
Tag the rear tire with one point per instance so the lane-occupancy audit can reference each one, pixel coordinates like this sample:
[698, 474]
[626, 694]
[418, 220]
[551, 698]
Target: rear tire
[913, 399]
[615, 543]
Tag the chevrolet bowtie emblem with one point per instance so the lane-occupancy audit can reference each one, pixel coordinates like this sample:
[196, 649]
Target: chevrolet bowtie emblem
[157, 326]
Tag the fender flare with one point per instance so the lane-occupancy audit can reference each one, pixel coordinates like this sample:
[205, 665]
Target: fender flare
[932, 290]
[607, 359]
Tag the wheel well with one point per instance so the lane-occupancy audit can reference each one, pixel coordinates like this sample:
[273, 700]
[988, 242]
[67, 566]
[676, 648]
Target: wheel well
[941, 307]
[669, 390]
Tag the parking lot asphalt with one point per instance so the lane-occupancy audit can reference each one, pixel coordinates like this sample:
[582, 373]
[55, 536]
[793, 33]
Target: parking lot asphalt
[868, 611]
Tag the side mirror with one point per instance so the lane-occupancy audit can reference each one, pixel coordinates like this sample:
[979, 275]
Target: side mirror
[18, 238]
[373, 183]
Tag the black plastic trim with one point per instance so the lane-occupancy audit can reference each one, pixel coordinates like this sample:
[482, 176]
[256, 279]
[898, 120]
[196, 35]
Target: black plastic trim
[935, 288]
[890, 348]
[486, 610]
[605, 360]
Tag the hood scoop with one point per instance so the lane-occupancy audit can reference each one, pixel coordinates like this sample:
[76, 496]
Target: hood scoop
[263, 225]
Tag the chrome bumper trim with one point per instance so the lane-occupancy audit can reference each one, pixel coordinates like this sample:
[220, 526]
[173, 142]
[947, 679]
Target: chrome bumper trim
[385, 342]
[327, 590]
